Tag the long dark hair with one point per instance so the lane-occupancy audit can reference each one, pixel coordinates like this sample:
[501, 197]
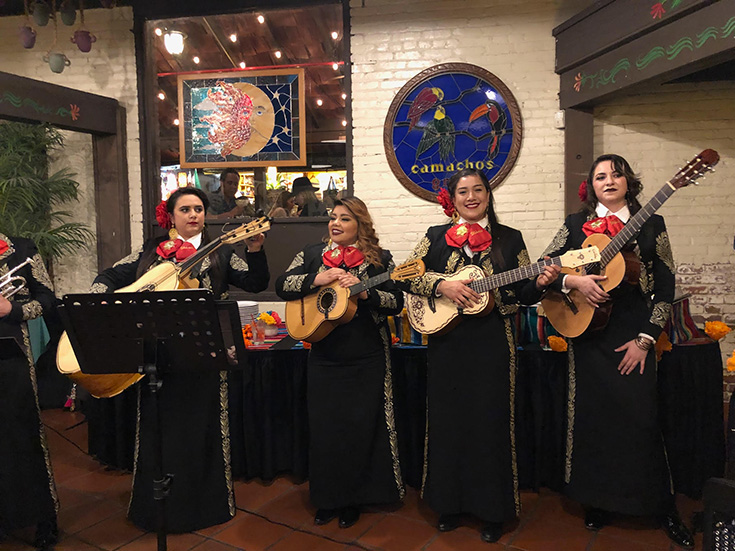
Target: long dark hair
[149, 257]
[496, 230]
[620, 165]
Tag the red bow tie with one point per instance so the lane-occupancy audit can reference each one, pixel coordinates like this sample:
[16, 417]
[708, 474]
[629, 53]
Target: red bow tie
[349, 256]
[609, 225]
[180, 250]
[475, 235]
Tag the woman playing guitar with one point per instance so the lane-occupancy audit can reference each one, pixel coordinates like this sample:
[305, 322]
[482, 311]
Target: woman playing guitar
[353, 452]
[615, 458]
[470, 453]
[193, 405]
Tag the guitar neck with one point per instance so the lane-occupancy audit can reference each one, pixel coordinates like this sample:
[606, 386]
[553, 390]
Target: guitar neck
[358, 288]
[203, 252]
[511, 276]
[635, 223]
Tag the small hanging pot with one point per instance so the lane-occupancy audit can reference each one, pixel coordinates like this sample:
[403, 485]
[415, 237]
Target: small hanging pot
[41, 13]
[27, 37]
[68, 14]
[83, 39]
[56, 61]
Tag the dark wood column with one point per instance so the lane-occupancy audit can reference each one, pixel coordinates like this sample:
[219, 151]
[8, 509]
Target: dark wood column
[578, 152]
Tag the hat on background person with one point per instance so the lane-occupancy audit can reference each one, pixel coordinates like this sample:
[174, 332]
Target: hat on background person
[302, 183]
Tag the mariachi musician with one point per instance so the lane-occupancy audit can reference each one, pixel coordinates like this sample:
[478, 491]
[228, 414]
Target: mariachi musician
[194, 415]
[27, 489]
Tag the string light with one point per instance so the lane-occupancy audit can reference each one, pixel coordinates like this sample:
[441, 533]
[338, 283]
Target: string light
[278, 54]
[158, 31]
[242, 65]
[335, 66]
[261, 19]
[335, 35]
[319, 102]
[344, 96]
[195, 59]
[344, 123]
[176, 122]
[161, 96]
[174, 42]
[233, 37]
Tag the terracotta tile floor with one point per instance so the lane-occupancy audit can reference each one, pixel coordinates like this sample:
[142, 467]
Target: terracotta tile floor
[278, 517]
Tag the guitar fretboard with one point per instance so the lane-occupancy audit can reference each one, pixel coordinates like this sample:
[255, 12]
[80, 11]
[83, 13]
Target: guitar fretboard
[368, 283]
[511, 276]
[634, 224]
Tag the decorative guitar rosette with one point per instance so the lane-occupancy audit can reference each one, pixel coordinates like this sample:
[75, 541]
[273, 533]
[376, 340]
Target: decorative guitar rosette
[447, 118]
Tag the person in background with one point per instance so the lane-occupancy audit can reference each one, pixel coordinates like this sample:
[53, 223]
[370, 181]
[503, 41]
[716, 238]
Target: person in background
[615, 458]
[306, 199]
[283, 206]
[27, 488]
[222, 203]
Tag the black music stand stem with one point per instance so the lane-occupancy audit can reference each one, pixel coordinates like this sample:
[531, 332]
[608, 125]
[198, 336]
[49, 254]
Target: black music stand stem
[152, 333]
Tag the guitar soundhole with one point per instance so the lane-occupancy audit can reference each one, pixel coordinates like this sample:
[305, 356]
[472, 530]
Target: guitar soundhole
[326, 300]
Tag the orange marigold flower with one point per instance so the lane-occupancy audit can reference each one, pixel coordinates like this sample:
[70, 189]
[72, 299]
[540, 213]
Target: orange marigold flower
[716, 329]
[307, 345]
[663, 344]
[557, 344]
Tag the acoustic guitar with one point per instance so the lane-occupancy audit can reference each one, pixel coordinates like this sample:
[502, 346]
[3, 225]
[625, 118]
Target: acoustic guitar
[313, 317]
[163, 277]
[570, 313]
[437, 315]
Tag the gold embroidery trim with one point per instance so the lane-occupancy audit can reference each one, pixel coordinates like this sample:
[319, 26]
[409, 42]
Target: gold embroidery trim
[660, 314]
[512, 377]
[38, 269]
[293, 283]
[224, 424]
[390, 421]
[32, 310]
[132, 257]
[136, 451]
[237, 263]
[523, 258]
[558, 243]
[571, 399]
[99, 288]
[663, 250]
[296, 262]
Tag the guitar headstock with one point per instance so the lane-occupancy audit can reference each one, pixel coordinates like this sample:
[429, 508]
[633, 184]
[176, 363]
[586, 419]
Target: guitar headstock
[580, 257]
[696, 168]
[246, 230]
[409, 270]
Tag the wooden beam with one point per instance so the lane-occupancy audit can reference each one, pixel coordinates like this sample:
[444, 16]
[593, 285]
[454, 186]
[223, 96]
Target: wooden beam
[28, 100]
[704, 38]
[112, 201]
[578, 151]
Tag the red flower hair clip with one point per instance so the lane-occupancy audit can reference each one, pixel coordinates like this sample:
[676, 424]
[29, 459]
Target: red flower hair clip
[164, 220]
[445, 201]
[582, 191]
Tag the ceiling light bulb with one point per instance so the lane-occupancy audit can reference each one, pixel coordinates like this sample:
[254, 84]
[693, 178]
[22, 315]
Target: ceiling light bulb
[278, 54]
[344, 96]
[335, 35]
[195, 59]
[261, 19]
[158, 31]
[174, 42]
[176, 122]
[319, 102]
[233, 37]
[335, 66]
[242, 65]
[344, 123]
[161, 96]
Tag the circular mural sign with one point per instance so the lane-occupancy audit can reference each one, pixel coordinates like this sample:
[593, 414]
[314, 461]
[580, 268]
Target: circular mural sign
[447, 118]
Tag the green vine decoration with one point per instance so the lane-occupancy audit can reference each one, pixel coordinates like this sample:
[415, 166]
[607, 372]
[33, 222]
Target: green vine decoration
[73, 112]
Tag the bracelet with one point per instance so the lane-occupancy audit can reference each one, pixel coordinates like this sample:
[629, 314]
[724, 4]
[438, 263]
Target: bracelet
[643, 343]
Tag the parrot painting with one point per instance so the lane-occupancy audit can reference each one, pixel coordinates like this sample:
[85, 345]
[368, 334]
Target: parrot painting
[425, 100]
[498, 123]
[439, 129]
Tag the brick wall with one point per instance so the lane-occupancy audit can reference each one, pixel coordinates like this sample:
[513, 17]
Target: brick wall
[108, 70]
[659, 129]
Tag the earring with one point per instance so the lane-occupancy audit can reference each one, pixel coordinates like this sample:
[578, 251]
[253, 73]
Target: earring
[173, 234]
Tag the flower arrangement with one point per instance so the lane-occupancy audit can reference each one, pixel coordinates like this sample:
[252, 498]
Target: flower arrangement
[270, 318]
[731, 362]
[716, 329]
[582, 191]
[445, 201]
[394, 340]
[663, 344]
[247, 335]
[162, 217]
[557, 344]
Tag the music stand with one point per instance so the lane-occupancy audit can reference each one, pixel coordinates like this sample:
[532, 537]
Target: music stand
[152, 333]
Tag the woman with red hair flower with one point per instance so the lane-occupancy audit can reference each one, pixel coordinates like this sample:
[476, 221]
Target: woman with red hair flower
[470, 463]
[615, 457]
[193, 405]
